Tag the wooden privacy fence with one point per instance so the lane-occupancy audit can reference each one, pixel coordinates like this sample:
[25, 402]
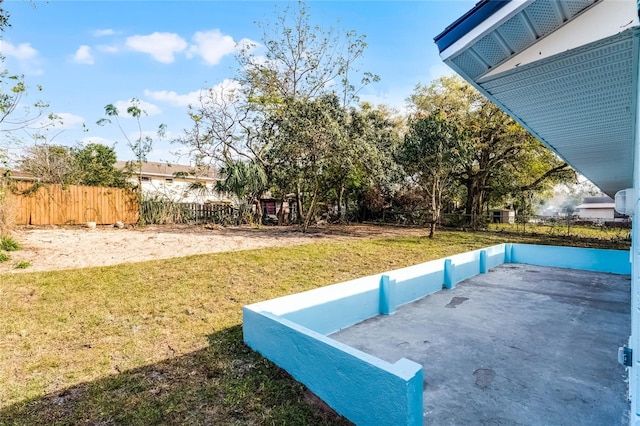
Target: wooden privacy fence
[50, 204]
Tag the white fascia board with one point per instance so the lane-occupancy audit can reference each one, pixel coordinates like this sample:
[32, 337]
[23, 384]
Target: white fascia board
[604, 19]
[488, 25]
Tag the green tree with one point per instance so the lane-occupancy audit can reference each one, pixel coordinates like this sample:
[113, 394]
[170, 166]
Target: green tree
[302, 61]
[498, 147]
[96, 165]
[142, 144]
[365, 161]
[303, 139]
[432, 154]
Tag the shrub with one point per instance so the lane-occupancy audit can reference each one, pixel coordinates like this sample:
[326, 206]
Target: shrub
[23, 265]
[8, 244]
[7, 207]
[3, 257]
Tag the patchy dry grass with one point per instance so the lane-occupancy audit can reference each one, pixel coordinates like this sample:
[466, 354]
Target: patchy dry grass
[161, 342]
[560, 229]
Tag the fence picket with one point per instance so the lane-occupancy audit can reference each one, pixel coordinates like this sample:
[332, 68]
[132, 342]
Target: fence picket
[53, 204]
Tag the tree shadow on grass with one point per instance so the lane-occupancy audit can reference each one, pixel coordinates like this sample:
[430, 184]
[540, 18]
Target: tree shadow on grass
[225, 383]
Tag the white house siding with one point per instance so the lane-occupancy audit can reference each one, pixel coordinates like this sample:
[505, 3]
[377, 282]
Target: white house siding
[179, 190]
[603, 213]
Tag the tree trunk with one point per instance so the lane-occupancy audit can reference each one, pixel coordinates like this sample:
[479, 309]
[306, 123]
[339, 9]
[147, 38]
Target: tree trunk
[281, 213]
[312, 207]
[346, 207]
[476, 195]
[340, 201]
[434, 208]
[299, 203]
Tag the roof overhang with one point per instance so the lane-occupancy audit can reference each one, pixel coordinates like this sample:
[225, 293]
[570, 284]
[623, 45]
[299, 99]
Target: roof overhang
[566, 70]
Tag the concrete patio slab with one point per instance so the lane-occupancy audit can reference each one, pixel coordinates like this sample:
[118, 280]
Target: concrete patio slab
[521, 344]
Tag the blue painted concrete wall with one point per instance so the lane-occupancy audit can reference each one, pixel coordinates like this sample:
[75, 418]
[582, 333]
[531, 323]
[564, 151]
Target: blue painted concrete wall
[360, 387]
[292, 330]
[589, 259]
[415, 282]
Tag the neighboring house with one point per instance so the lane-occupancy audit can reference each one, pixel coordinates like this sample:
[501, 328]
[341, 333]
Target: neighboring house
[176, 182]
[597, 208]
[17, 175]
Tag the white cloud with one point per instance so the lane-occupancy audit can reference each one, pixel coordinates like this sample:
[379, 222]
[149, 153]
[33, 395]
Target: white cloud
[107, 48]
[27, 56]
[22, 52]
[103, 32]
[174, 98]
[83, 55]
[192, 98]
[161, 46]
[59, 121]
[70, 121]
[212, 46]
[148, 108]
[249, 45]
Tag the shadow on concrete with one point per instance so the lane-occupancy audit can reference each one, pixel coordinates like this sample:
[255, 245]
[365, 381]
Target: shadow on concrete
[225, 383]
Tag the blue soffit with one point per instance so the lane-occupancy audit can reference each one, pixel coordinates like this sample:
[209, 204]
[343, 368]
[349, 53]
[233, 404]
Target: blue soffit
[565, 70]
[480, 12]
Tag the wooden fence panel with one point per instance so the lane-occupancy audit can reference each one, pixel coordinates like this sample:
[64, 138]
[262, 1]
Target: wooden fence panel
[52, 204]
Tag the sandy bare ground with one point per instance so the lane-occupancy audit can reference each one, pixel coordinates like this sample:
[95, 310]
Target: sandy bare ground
[48, 249]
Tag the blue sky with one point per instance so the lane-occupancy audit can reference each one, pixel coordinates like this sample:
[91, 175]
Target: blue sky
[87, 54]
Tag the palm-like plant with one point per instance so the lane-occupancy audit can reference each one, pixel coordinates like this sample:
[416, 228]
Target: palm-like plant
[246, 180]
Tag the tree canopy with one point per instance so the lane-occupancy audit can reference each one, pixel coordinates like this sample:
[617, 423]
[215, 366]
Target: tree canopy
[433, 154]
[90, 165]
[292, 116]
[502, 160]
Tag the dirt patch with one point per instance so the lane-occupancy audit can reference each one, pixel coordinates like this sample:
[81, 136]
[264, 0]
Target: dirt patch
[54, 248]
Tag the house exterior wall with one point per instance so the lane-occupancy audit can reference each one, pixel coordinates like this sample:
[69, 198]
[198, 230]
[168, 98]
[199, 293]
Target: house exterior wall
[178, 190]
[599, 213]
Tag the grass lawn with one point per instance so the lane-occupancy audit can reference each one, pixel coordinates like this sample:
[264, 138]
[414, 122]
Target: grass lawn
[560, 229]
[161, 343]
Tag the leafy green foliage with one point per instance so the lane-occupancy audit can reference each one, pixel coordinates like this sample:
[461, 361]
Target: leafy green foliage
[503, 158]
[7, 243]
[244, 179]
[249, 122]
[304, 142]
[91, 165]
[432, 153]
[96, 164]
[4, 257]
[4, 19]
[158, 210]
[247, 180]
[22, 265]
